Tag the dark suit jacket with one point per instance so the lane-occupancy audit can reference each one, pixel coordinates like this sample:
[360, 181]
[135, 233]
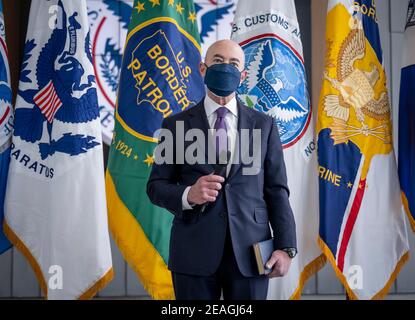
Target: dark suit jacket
[249, 203]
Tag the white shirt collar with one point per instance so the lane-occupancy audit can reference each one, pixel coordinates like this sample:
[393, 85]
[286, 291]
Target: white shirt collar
[211, 106]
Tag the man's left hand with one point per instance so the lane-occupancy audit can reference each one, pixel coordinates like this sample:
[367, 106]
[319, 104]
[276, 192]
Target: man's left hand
[280, 263]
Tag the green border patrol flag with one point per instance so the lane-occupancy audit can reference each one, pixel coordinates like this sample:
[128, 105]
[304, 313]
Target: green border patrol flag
[159, 77]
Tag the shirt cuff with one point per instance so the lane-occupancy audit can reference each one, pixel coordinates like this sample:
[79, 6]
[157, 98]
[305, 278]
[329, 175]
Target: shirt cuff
[185, 204]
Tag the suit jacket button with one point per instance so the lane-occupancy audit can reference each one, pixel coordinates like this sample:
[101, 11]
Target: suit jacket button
[228, 186]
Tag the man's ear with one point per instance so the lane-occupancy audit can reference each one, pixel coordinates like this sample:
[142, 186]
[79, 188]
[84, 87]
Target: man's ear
[202, 69]
[244, 74]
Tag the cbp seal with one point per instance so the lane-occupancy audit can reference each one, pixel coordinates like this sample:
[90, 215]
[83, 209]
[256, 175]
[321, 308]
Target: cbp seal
[276, 85]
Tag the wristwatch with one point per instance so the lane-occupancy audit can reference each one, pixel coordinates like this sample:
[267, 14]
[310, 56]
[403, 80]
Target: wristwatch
[292, 252]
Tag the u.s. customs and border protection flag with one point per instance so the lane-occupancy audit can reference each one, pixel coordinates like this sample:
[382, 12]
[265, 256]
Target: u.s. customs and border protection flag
[407, 118]
[6, 125]
[159, 77]
[55, 206]
[362, 221]
[269, 34]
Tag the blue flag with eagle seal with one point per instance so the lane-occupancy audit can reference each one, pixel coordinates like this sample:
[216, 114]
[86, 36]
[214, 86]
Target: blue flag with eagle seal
[6, 125]
[55, 205]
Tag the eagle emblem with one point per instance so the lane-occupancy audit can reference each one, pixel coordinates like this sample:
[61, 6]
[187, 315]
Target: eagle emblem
[276, 85]
[63, 91]
[356, 92]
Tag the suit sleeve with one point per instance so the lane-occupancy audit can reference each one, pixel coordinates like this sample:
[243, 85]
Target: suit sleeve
[163, 188]
[276, 193]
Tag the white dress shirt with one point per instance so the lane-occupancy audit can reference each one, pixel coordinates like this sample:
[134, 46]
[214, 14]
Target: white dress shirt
[231, 120]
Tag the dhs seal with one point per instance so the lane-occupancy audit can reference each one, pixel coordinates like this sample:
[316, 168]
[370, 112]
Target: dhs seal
[276, 85]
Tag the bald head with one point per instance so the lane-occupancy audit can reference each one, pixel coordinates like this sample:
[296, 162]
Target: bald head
[226, 51]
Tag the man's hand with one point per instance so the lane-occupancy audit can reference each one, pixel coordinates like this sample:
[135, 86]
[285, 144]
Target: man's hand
[206, 189]
[280, 263]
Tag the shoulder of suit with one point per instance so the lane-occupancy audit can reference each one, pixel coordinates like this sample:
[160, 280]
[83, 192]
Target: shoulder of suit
[257, 115]
[181, 116]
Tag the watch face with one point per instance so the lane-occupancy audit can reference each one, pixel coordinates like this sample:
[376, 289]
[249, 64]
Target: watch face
[291, 252]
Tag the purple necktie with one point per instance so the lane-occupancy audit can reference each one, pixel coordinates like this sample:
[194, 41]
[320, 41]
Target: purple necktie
[221, 133]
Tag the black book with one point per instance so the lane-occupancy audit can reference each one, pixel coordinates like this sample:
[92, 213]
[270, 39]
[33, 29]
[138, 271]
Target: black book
[263, 251]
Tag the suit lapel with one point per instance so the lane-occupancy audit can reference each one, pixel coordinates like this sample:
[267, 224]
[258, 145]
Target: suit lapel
[245, 121]
[199, 120]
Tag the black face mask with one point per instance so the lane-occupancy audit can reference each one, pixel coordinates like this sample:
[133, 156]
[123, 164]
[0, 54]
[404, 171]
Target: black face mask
[222, 79]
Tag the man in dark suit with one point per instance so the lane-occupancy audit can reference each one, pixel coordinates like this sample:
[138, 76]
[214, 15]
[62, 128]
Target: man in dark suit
[217, 219]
